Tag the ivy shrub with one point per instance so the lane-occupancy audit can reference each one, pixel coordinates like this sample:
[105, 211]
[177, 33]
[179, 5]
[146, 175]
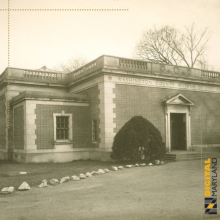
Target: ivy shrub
[138, 140]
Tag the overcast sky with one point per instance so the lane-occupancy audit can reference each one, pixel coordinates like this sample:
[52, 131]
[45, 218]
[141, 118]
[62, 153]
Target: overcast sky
[50, 37]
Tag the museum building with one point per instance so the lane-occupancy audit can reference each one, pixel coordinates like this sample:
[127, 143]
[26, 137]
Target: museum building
[47, 116]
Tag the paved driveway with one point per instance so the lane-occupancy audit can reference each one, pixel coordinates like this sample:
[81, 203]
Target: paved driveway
[171, 191]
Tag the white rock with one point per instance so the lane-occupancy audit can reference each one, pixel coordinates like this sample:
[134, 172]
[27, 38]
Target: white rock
[95, 173]
[136, 165]
[82, 176]
[106, 170]
[11, 189]
[161, 162]
[54, 182]
[22, 173]
[129, 166]
[75, 178]
[101, 171]
[157, 162]
[114, 168]
[4, 190]
[7, 190]
[150, 164]
[88, 174]
[65, 179]
[120, 167]
[43, 184]
[142, 164]
[24, 186]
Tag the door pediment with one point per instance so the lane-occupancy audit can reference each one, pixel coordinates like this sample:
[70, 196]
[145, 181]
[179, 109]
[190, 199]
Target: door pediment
[178, 100]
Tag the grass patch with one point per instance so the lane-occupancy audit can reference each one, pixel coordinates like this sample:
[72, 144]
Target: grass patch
[36, 172]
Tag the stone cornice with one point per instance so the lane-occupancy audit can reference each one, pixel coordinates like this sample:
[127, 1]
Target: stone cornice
[45, 96]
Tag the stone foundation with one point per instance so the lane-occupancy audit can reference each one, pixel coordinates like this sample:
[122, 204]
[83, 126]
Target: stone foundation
[61, 156]
[206, 148]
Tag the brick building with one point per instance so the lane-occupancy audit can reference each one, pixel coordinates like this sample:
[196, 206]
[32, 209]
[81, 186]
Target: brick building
[47, 116]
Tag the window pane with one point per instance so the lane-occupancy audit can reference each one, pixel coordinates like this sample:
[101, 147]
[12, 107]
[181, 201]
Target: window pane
[58, 125]
[66, 134]
[58, 134]
[66, 125]
[61, 131]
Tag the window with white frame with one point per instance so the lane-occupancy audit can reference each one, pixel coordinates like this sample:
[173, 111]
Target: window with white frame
[62, 127]
[94, 131]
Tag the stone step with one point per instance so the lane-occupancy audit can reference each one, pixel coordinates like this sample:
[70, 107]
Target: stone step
[171, 157]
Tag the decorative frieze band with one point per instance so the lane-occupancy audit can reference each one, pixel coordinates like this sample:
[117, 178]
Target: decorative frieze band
[203, 87]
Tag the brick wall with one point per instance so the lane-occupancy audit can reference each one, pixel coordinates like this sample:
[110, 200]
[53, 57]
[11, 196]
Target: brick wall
[146, 101]
[93, 94]
[2, 122]
[19, 127]
[82, 125]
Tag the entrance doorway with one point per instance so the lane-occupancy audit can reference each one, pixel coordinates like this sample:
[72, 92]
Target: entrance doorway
[178, 131]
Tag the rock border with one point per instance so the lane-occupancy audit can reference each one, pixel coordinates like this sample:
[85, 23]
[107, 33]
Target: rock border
[53, 182]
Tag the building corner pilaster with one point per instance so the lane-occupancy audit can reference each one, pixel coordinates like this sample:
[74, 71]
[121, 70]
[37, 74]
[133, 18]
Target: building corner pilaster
[107, 113]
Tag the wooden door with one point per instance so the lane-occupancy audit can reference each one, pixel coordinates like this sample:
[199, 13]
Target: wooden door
[177, 131]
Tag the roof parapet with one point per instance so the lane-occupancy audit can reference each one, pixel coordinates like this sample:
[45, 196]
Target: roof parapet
[113, 63]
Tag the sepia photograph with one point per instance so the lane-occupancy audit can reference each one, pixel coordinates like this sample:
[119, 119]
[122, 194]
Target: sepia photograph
[109, 109]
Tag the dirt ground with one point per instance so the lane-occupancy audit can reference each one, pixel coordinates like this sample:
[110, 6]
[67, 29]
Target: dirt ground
[171, 191]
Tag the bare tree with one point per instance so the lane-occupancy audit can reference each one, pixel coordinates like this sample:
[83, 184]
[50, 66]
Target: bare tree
[72, 64]
[169, 46]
